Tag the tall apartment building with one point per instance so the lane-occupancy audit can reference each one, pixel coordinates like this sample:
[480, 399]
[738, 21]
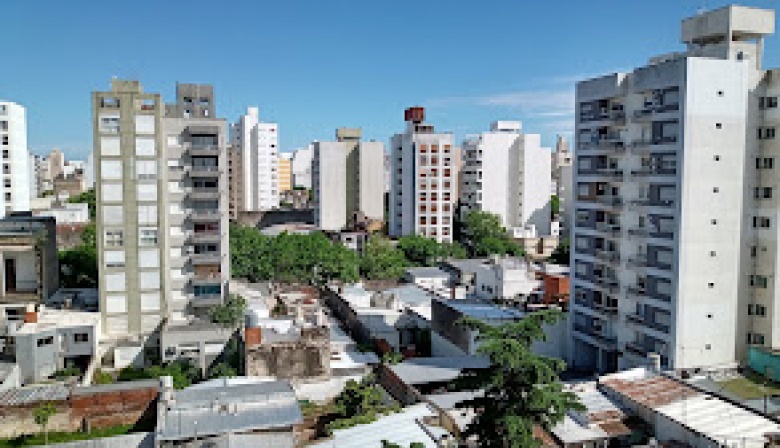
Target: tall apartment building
[301, 167]
[56, 162]
[161, 206]
[422, 180]
[254, 145]
[17, 183]
[507, 173]
[676, 215]
[284, 175]
[347, 178]
[562, 184]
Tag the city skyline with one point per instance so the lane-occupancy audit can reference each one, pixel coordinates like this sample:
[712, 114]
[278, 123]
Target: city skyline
[296, 82]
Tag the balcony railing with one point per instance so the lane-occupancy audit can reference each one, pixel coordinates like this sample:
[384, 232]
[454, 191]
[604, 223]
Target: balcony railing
[613, 229]
[654, 141]
[609, 256]
[204, 193]
[593, 332]
[645, 322]
[654, 172]
[204, 171]
[205, 214]
[646, 202]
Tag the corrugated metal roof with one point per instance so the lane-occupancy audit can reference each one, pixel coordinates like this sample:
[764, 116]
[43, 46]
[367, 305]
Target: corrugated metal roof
[235, 405]
[434, 370]
[33, 394]
[116, 387]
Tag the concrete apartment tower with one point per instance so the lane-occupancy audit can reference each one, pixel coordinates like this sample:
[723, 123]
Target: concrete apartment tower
[301, 167]
[17, 182]
[161, 206]
[423, 180]
[284, 164]
[347, 178]
[507, 173]
[562, 181]
[255, 152]
[56, 161]
[675, 231]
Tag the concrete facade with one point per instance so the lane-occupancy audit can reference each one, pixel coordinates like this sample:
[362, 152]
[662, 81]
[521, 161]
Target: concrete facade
[161, 206]
[301, 167]
[507, 173]
[16, 181]
[673, 238]
[255, 162]
[423, 180]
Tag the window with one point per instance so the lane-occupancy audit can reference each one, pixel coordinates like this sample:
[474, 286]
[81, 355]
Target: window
[5, 140]
[5, 154]
[715, 189]
[756, 310]
[111, 170]
[114, 258]
[765, 163]
[146, 169]
[150, 301]
[116, 282]
[767, 102]
[147, 214]
[759, 281]
[144, 124]
[718, 125]
[116, 304]
[145, 146]
[713, 221]
[755, 338]
[753, 251]
[113, 214]
[109, 124]
[148, 258]
[112, 192]
[766, 133]
[147, 236]
[710, 285]
[81, 337]
[763, 192]
[149, 280]
[717, 158]
[114, 238]
[147, 192]
[761, 222]
[45, 341]
[110, 146]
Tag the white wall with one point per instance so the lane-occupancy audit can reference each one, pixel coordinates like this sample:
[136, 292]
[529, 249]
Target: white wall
[372, 179]
[329, 170]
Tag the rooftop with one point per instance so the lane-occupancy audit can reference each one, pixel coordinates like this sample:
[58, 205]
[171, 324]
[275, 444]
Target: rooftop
[427, 272]
[402, 428]
[435, 370]
[49, 319]
[33, 394]
[481, 310]
[229, 405]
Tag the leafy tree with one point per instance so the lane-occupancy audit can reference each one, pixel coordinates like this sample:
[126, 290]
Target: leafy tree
[100, 377]
[231, 313]
[486, 236]
[561, 253]
[555, 206]
[392, 358]
[79, 266]
[382, 261]
[521, 389]
[42, 413]
[222, 370]
[88, 197]
[182, 372]
[358, 398]
[422, 251]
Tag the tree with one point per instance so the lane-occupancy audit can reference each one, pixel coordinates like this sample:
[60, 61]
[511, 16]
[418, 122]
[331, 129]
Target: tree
[231, 313]
[422, 251]
[79, 265]
[485, 236]
[42, 413]
[555, 206]
[222, 370]
[521, 389]
[358, 398]
[561, 253]
[88, 197]
[382, 261]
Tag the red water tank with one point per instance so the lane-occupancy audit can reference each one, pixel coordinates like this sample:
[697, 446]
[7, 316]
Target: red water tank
[415, 114]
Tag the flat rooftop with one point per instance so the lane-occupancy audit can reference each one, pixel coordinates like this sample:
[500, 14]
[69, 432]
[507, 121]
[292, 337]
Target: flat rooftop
[481, 310]
[51, 319]
[436, 370]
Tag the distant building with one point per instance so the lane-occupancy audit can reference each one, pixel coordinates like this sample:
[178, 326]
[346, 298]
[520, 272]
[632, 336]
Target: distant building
[347, 179]
[301, 167]
[67, 185]
[424, 180]
[16, 181]
[285, 173]
[255, 156]
[198, 341]
[563, 182]
[507, 173]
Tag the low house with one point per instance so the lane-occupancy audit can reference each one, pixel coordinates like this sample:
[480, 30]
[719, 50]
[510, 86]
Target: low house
[228, 412]
[49, 340]
[285, 348]
[452, 339]
[409, 380]
[678, 413]
[28, 248]
[199, 341]
[430, 278]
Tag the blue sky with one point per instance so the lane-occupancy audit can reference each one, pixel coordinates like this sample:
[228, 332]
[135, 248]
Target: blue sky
[314, 65]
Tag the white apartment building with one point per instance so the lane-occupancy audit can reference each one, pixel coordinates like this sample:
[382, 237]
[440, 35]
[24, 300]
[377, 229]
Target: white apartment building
[162, 216]
[301, 167]
[675, 231]
[255, 146]
[562, 181]
[507, 173]
[423, 180]
[347, 178]
[17, 184]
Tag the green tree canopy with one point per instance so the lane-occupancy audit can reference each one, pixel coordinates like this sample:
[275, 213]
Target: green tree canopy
[555, 205]
[222, 370]
[485, 236]
[422, 251]
[358, 398]
[79, 265]
[521, 389]
[382, 261]
[88, 197]
[231, 313]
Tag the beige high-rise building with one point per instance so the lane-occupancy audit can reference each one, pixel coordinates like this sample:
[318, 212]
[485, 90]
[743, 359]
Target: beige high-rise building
[284, 174]
[161, 206]
[56, 162]
[347, 178]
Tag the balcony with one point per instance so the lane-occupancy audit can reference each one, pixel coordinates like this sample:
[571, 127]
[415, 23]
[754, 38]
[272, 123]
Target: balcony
[608, 283]
[654, 172]
[206, 300]
[604, 118]
[609, 256]
[605, 307]
[204, 171]
[204, 193]
[637, 349]
[638, 319]
[646, 202]
[611, 229]
[202, 280]
[204, 150]
[649, 143]
[200, 215]
[206, 237]
[595, 334]
[653, 112]
[210, 258]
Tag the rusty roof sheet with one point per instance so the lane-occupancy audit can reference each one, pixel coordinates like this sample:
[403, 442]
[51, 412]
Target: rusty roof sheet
[651, 392]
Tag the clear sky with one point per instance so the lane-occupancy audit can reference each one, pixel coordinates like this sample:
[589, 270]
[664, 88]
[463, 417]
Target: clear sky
[314, 65]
